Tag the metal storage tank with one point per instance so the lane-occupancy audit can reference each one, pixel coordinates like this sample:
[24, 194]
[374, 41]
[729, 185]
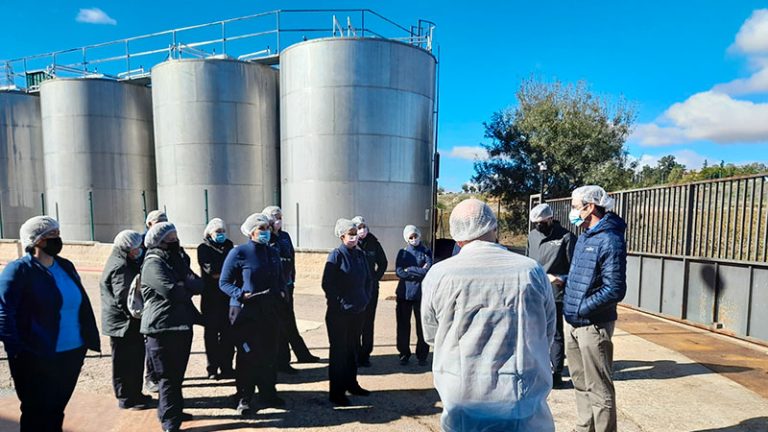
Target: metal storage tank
[356, 138]
[216, 130]
[99, 156]
[22, 180]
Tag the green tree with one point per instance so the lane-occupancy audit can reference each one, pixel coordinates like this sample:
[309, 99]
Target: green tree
[579, 135]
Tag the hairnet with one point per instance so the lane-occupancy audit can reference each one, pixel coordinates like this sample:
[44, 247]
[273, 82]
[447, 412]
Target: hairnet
[272, 211]
[214, 225]
[156, 216]
[35, 228]
[157, 233]
[410, 229]
[471, 219]
[541, 212]
[126, 240]
[343, 226]
[594, 195]
[252, 223]
[359, 220]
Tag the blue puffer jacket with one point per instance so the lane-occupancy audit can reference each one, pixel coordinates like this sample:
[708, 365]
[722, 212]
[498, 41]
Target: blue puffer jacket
[597, 280]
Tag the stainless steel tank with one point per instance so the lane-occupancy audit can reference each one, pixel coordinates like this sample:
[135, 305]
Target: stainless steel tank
[22, 178]
[356, 120]
[99, 156]
[216, 130]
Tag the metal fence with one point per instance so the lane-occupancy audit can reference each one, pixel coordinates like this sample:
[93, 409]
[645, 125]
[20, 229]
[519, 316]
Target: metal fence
[258, 37]
[696, 252]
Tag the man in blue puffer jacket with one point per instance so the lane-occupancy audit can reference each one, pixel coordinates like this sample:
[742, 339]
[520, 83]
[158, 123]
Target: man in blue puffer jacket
[597, 281]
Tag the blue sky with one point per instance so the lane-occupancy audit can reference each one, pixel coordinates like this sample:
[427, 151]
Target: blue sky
[679, 62]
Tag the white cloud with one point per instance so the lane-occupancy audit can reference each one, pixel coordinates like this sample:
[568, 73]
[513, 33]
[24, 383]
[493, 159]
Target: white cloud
[94, 16]
[708, 116]
[757, 83]
[468, 153]
[689, 158]
[752, 37]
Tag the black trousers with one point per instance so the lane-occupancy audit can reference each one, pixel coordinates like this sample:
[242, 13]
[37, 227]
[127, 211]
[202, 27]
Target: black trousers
[44, 386]
[343, 336]
[289, 334]
[169, 353]
[557, 350]
[366, 337]
[257, 330]
[217, 336]
[149, 368]
[404, 310]
[128, 355]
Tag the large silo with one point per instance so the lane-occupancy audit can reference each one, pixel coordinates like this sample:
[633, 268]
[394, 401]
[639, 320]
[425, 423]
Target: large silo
[99, 156]
[216, 130]
[21, 161]
[356, 138]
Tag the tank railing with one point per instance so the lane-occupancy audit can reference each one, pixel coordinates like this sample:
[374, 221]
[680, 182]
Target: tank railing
[255, 55]
[133, 73]
[118, 58]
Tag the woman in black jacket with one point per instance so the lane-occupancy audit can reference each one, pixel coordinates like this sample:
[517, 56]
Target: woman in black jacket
[46, 325]
[348, 284]
[125, 339]
[167, 286]
[214, 304]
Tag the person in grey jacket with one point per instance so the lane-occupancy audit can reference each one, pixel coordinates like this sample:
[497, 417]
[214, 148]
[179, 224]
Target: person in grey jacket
[167, 286]
[552, 246]
[125, 339]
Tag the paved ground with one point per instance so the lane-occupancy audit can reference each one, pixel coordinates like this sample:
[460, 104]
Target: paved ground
[663, 384]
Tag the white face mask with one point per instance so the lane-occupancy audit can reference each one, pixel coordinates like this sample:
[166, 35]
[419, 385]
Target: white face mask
[362, 232]
[414, 242]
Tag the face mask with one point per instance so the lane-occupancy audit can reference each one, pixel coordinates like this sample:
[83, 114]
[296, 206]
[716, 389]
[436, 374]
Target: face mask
[544, 227]
[350, 241]
[220, 238]
[414, 242]
[138, 254]
[263, 237]
[53, 246]
[278, 225]
[575, 217]
[362, 232]
[173, 246]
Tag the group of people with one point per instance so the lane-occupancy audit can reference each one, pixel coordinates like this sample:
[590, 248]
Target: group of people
[494, 317]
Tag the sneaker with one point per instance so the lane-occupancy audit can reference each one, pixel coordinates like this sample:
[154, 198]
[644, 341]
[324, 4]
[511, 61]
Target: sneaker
[341, 401]
[243, 408]
[309, 358]
[359, 391]
[365, 363]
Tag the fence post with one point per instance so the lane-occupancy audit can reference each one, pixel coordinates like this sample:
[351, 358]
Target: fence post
[689, 220]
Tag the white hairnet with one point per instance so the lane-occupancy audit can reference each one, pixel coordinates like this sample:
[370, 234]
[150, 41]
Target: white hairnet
[596, 195]
[541, 212]
[214, 225]
[359, 220]
[157, 233]
[126, 240]
[471, 219]
[273, 211]
[252, 223]
[410, 229]
[343, 226]
[156, 216]
[35, 228]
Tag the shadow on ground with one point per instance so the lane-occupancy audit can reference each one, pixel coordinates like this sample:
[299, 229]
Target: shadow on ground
[757, 424]
[624, 370]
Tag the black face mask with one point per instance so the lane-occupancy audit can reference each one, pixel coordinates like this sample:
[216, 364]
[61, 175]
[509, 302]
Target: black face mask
[173, 246]
[53, 246]
[544, 228]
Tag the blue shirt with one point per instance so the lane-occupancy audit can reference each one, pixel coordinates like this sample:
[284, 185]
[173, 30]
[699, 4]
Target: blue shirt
[69, 324]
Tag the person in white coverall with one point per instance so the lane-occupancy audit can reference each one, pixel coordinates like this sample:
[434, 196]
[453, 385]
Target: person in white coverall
[490, 315]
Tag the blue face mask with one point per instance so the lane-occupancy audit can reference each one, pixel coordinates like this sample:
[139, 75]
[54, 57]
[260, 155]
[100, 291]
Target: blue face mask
[264, 237]
[141, 253]
[575, 217]
[220, 238]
